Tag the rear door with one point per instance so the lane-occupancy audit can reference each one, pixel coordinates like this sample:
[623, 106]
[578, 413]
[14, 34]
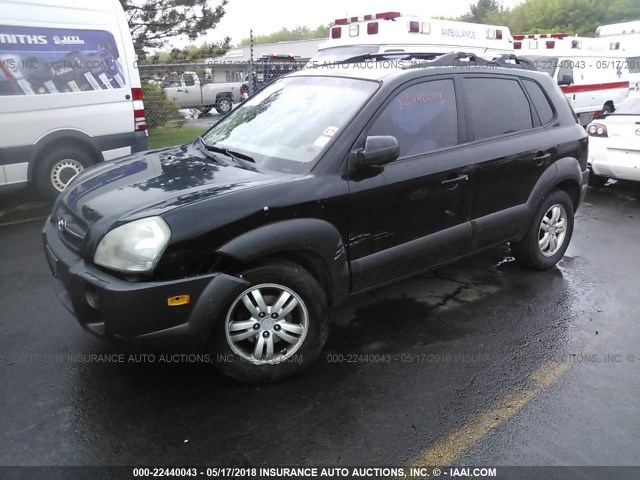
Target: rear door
[414, 212]
[511, 149]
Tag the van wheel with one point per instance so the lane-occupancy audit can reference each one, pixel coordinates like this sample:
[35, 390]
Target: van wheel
[274, 329]
[607, 109]
[58, 168]
[224, 105]
[549, 234]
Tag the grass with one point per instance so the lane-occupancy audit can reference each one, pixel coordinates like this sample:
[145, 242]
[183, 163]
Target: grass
[168, 136]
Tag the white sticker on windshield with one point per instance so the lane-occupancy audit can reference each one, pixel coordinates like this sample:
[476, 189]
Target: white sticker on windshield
[321, 141]
[330, 131]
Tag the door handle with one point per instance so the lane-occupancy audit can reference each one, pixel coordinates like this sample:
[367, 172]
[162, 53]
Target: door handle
[540, 159]
[180, 90]
[456, 180]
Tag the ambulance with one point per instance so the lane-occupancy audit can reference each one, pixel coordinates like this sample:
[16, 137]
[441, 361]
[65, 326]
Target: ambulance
[392, 32]
[593, 78]
[70, 93]
[624, 38]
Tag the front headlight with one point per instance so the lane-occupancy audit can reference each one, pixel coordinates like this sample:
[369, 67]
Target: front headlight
[135, 246]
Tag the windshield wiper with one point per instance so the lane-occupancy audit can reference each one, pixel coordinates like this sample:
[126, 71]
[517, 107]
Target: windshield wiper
[229, 153]
[215, 158]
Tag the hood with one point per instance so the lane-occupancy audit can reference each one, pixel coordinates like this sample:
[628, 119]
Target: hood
[150, 183]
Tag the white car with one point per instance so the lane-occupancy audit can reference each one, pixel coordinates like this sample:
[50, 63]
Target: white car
[614, 144]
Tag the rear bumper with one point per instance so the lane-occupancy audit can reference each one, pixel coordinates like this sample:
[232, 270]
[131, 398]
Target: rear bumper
[619, 163]
[137, 312]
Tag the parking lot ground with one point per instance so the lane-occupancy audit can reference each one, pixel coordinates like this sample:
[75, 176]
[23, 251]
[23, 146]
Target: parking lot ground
[481, 362]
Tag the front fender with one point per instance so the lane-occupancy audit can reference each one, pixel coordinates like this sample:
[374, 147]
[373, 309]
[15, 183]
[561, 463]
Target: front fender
[310, 236]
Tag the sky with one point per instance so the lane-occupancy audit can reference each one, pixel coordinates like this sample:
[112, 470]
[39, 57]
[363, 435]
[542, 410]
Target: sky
[268, 16]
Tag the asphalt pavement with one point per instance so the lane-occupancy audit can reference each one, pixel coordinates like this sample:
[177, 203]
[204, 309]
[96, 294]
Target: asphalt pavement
[478, 363]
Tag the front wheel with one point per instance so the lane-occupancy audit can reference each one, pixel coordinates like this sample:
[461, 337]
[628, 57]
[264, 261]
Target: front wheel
[274, 329]
[549, 235]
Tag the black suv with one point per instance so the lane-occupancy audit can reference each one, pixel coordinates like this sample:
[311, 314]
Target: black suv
[329, 182]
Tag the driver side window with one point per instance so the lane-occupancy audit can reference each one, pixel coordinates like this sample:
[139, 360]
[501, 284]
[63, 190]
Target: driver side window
[423, 118]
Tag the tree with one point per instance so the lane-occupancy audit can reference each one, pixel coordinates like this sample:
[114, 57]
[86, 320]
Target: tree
[485, 11]
[579, 17]
[154, 22]
[191, 53]
[286, 35]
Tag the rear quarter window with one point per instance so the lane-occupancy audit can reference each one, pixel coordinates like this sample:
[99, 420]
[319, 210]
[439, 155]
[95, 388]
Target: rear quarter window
[496, 106]
[540, 101]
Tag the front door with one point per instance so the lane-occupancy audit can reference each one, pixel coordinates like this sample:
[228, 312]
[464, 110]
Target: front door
[414, 212]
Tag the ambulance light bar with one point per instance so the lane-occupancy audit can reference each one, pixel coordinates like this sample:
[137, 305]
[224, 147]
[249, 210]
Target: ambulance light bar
[377, 16]
[413, 26]
[540, 35]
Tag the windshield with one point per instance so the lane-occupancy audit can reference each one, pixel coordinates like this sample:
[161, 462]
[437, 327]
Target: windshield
[340, 54]
[631, 106]
[288, 124]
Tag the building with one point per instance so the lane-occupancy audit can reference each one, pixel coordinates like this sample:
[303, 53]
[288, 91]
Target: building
[234, 65]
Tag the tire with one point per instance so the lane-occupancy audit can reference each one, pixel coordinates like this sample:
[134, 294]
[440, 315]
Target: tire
[606, 110]
[534, 251]
[223, 105]
[306, 323]
[57, 168]
[597, 181]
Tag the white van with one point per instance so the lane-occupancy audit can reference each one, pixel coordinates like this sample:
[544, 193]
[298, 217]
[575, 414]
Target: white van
[393, 32]
[70, 93]
[593, 78]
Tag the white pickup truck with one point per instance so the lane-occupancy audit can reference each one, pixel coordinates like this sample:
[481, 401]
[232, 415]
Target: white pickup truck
[187, 91]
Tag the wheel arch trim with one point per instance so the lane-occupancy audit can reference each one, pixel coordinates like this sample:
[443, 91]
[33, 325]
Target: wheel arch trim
[317, 238]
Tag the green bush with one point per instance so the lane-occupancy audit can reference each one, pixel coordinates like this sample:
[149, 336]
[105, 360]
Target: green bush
[159, 110]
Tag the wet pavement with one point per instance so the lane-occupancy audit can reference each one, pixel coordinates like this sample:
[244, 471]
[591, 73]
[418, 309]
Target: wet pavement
[480, 363]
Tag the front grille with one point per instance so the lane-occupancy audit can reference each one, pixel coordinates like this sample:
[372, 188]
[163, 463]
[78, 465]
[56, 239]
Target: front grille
[72, 230]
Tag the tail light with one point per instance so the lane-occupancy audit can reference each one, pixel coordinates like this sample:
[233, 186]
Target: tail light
[139, 120]
[551, 43]
[372, 28]
[597, 130]
[414, 27]
[517, 45]
[336, 32]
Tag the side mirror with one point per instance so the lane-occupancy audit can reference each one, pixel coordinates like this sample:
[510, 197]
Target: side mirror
[565, 80]
[378, 151]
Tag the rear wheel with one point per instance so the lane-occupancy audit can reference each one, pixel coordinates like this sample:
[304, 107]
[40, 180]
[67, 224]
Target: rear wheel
[549, 235]
[274, 329]
[224, 105]
[57, 168]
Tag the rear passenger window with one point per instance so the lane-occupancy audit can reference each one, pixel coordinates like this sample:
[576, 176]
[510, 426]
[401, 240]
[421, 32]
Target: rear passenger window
[540, 101]
[423, 118]
[496, 106]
